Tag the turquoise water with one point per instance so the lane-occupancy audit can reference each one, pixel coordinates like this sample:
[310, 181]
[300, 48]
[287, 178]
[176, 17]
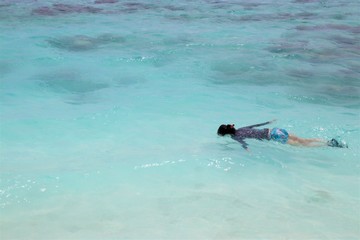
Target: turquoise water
[109, 114]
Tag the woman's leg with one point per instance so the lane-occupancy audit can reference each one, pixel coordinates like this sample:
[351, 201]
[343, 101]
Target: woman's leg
[307, 142]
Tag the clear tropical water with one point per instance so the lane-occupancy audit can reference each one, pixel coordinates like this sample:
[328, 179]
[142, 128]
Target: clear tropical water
[109, 112]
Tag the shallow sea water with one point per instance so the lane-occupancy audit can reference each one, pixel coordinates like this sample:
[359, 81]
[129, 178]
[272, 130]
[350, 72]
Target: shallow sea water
[109, 112]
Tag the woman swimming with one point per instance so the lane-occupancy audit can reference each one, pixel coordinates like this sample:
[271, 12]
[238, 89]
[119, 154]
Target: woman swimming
[276, 134]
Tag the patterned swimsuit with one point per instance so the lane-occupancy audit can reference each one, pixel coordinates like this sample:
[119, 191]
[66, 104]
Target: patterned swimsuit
[250, 132]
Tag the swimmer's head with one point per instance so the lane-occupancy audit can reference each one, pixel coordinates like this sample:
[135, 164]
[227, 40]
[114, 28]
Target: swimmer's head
[226, 129]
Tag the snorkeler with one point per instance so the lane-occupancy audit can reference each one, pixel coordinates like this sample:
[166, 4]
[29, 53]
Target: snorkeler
[276, 134]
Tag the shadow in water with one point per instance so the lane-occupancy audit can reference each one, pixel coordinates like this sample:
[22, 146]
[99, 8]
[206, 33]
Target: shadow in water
[80, 43]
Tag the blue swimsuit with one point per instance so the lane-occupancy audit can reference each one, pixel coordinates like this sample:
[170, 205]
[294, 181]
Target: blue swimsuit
[279, 135]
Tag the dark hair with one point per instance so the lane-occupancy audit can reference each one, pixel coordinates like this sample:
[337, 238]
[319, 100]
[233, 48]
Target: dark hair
[226, 129]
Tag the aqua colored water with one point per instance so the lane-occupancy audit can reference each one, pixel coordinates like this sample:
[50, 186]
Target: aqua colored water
[109, 112]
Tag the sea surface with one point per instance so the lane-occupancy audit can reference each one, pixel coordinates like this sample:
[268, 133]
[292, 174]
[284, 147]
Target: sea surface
[109, 111]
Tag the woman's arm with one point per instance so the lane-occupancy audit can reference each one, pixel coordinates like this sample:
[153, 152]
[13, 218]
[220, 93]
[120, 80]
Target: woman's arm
[243, 143]
[261, 124]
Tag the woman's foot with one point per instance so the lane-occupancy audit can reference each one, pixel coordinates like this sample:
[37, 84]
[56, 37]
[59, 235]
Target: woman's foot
[334, 143]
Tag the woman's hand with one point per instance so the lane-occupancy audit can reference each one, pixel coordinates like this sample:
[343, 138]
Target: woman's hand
[274, 120]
